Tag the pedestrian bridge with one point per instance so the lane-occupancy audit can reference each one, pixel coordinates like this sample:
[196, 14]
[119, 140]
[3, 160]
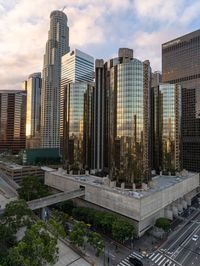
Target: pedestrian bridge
[56, 198]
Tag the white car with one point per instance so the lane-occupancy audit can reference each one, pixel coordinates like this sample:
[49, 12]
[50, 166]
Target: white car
[195, 237]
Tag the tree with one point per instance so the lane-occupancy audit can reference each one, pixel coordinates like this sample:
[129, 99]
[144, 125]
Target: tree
[37, 248]
[32, 187]
[122, 229]
[77, 236]
[66, 206]
[62, 218]
[57, 228]
[95, 240]
[7, 239]
[163, 223]
[17, 214]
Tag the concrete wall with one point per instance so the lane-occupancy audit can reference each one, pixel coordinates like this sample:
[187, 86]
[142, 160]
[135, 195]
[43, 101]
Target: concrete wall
[102, 196]
[144, 211]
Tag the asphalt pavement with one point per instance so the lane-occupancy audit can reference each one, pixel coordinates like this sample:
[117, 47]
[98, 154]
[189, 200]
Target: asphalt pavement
[180, 249]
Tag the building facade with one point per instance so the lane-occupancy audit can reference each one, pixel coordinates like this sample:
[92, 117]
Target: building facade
[12, 120]
[33, 109]
[127, 121]
[181, 64]
[56, 46]
[99, 113]
[78, 125]
[167, 140]
[76, 77]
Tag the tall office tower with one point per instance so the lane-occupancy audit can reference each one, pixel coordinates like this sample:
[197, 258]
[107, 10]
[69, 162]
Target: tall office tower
[12, 120]
[156, 78]
[77, 151]
[56, 46]
[181, 64]
[98, 151]
[33, 110]
[167, 144]
[76, 77]
[128, 118]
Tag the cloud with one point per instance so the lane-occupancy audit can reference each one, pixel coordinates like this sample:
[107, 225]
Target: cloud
[97, 27]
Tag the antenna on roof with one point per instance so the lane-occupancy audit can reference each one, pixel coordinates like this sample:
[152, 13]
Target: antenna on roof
[63, 8]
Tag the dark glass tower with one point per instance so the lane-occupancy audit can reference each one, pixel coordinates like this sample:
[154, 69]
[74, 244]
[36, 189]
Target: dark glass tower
[12, 120]
[181, 64]
[167, 143]
[127, 118]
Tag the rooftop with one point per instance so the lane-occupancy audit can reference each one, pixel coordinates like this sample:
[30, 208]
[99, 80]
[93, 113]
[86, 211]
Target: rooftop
[158, 183]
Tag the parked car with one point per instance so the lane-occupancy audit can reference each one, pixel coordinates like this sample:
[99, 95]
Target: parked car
[195, 237]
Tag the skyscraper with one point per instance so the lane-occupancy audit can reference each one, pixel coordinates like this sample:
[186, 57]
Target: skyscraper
[128, 117]
[181, 64]
[12, 120]
[56, 46]
[167, 141]
[99, 112]
[33, 108]
[76, 78]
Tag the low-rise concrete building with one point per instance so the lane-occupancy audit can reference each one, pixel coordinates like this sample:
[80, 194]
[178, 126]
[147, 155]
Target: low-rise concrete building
[166, 196]
[16, 172]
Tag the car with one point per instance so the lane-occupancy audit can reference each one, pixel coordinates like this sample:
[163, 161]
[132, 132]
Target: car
[195, 237]
[136, 262]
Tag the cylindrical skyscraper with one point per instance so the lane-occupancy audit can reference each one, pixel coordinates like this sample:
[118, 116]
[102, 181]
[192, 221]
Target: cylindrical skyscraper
[56, 46]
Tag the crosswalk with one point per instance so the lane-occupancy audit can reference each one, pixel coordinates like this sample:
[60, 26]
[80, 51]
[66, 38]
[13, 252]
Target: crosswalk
[161, 260]
[157, 258]
[126, 262]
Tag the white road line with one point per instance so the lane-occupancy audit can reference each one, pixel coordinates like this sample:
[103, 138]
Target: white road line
[124, 263]
[151, 255]
[137, 255]
[170, 263]
[174, 243]
[167, 261]
[161, 260]
[156, 256]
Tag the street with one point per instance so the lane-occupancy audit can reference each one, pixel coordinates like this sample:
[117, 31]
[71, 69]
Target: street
[180, 249]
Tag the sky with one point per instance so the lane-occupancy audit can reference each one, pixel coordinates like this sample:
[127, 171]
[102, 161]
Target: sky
[97, 27]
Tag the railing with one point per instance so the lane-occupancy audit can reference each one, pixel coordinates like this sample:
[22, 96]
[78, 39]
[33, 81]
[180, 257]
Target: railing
[53, 199]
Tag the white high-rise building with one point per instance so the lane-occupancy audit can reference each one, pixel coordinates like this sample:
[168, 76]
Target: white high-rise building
[78, 71]
[57, 45]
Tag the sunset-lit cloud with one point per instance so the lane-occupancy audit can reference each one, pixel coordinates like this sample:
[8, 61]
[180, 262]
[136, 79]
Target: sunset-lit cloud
[97, 27]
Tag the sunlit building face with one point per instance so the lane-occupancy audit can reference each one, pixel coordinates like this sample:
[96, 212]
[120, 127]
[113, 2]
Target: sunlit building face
[167, 128]
[170, 123]
[129, 120]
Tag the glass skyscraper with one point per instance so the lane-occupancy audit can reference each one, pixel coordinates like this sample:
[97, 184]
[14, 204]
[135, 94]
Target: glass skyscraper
[56, 46]
[76, 77]
[167, 141]
[33, 105]
[12, 120]
[127, 114]
[181, 64]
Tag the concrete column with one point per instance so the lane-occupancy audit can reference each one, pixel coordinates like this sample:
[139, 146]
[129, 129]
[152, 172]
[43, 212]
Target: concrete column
[134, 187]
[113, 184]
[175, 210]
[122, 185]
[168, 213]
[184, 203]
[188, 200]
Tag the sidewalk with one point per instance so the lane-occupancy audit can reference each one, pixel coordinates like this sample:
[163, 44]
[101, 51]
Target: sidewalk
[149, 243]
